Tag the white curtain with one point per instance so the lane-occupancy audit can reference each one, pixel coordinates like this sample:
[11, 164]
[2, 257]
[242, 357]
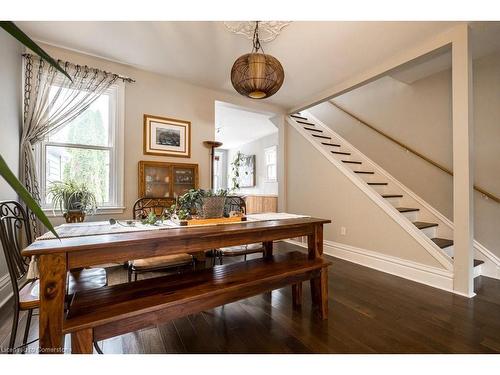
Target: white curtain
[51, 100]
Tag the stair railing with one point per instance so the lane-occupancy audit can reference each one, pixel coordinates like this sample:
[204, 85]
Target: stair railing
[407, 148]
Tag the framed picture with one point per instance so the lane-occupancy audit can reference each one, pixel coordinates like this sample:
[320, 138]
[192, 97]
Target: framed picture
[247, 171]
[167, 137]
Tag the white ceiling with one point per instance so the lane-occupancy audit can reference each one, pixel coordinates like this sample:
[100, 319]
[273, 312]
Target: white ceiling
[235, 126]
[315, 55]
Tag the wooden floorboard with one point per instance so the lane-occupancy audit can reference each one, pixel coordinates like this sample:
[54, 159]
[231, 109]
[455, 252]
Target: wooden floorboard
[369, 312]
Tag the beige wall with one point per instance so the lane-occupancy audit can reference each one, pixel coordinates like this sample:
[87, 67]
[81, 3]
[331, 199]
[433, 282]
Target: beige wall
[333, 196]
[163, 96]
[420, 116]
[10, 122]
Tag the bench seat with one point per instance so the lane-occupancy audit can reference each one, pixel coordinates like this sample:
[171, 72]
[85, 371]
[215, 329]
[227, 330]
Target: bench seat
[117, 309]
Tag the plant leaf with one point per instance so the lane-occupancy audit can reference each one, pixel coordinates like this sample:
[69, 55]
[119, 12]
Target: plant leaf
[17, 33]
[18, 187]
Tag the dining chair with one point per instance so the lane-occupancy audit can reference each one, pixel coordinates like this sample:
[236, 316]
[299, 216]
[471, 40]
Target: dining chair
[237, 204]
[15, 233]
[142, 208]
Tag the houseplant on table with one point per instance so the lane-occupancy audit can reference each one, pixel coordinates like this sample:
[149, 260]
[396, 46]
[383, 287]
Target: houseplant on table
[74, 199]
[202, 203]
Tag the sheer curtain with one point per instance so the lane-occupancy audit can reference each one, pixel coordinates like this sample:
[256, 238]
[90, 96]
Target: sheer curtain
[51, 100]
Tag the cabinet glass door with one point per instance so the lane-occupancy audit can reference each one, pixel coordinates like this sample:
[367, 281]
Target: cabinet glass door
[184, 179]
[157, 181]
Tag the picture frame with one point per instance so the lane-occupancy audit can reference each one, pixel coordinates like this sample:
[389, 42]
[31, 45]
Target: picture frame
[165, 136]
[247, 171]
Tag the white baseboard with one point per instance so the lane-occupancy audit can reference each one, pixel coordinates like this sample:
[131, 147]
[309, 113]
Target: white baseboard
[5, 290]
[428, 275]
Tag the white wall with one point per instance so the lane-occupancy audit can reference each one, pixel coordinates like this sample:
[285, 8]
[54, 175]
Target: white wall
[163, 96]
[10, 122]
[419, 115]
[257, 148]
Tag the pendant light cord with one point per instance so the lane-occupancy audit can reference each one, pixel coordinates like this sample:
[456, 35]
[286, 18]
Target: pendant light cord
[256, 41]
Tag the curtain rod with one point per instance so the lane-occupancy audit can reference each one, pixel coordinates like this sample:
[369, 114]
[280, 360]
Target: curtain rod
[123, 78]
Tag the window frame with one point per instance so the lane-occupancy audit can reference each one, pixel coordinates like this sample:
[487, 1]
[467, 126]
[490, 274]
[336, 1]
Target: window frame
[116, 155]
[273, 148]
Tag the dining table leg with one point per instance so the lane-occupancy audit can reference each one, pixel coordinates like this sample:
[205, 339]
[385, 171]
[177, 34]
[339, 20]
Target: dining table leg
[268, 248]
[53, 268]
[319, 284]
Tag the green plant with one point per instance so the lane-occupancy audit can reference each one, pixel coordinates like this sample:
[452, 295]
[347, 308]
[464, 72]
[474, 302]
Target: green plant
[17, 33]
[5, 171]
[235, 170]
[72, 196]
[150, 219]
[189, 203]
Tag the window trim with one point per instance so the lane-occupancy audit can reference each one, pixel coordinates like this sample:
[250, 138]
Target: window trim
[266, 150]
[116, 162]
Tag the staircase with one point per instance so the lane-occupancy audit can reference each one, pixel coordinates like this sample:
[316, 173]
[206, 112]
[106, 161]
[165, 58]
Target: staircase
[427, 225]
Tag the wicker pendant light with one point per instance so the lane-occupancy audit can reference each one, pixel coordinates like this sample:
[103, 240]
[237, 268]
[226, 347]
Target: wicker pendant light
[257, 75]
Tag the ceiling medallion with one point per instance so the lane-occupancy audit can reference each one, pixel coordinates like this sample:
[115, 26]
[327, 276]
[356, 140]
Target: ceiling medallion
[268, 30]
[255, 74]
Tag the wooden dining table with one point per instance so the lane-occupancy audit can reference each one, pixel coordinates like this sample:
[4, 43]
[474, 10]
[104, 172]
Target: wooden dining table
[56, 257]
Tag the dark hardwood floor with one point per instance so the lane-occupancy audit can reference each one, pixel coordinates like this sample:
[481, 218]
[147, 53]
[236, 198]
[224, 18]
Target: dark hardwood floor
[370, 312]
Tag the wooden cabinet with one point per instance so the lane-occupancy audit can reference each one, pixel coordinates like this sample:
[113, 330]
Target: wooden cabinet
[261, 203]
[159, 179]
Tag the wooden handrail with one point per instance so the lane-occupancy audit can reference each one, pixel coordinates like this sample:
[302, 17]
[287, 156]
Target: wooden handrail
[401, 144]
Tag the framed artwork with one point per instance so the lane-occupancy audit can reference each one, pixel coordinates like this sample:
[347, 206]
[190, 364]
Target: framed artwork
[247, 171]
[167, 137]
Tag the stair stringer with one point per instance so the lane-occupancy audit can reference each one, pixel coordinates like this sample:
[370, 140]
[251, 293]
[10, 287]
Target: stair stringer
[407, 225]
[490, 268]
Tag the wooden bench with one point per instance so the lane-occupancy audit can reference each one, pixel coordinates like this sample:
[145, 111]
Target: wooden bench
[118, 309]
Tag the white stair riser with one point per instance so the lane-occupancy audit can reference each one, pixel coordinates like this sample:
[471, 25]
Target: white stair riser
[430, 232]
[449, 250]
[381, 189]
[478, 270]
[396, 202]
[412, 216]
[367, 177]
[342, 157]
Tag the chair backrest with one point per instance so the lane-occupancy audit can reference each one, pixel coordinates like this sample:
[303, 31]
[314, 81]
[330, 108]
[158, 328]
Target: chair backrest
[234, 203]
[143, 206]
[15, 234]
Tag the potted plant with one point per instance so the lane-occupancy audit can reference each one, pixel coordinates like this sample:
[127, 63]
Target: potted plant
[201, 203]
[73, 199]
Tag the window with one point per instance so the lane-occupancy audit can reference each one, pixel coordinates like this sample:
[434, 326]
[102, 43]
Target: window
[219, 170]
[271, 163]
[89, 149]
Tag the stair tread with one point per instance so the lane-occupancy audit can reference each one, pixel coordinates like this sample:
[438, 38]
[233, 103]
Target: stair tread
[340, 152]
[378, 183]
[477, 262]
[423, 224]
[299, 117]
[442, 242]
[321, 136]
[392, 195]
[313, 129]
[305, 123]
[407, 209]
[330, 144]
[351, 162]
[364, 172]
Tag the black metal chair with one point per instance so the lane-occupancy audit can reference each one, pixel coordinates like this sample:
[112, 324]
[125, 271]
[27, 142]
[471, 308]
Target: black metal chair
[15, 233]
[142, 208]
[236, 204]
